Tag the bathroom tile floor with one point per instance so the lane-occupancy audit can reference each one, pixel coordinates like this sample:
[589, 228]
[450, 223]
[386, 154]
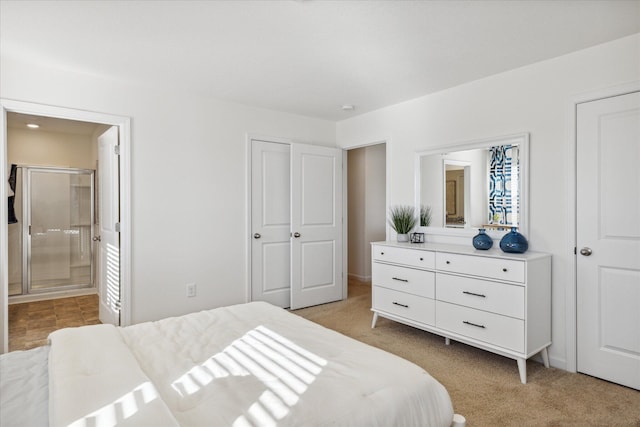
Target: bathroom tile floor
[30, 323]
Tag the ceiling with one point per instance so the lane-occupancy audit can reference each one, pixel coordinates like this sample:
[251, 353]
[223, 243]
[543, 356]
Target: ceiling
[306, 57]
[50, 124]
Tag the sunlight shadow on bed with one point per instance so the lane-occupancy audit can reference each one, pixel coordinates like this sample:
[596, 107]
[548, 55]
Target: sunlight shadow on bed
[285, 368]
[123, 408]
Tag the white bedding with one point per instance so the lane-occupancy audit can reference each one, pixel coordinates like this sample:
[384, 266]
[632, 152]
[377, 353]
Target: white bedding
[246, 365]
[24, 394]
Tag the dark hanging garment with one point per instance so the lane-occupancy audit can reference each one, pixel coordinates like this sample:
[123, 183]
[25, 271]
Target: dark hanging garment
[12, 199]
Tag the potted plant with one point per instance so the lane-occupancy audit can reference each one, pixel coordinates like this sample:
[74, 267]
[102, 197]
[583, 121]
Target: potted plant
[425, 216]
[402, 219]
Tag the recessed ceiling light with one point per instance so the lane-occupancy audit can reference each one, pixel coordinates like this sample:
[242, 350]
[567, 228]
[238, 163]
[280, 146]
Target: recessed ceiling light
[348, 107]
[32, 126]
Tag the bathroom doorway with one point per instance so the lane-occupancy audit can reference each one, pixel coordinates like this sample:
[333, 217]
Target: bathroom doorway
[51, 222]
[118, 180]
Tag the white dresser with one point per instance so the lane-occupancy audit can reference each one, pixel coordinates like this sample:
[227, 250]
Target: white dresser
[489, 299]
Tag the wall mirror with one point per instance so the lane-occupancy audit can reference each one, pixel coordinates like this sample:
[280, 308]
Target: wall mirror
[477, 184]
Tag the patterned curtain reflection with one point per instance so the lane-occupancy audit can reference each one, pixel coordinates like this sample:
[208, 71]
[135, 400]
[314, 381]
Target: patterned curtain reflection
[504, 174]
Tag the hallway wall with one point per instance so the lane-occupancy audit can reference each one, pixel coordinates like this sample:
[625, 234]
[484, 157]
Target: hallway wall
[366, 206]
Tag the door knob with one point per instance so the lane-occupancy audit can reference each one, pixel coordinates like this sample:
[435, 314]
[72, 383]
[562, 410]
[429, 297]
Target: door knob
[296, 234]
[257, 236]
[97, 239]
[586, 251]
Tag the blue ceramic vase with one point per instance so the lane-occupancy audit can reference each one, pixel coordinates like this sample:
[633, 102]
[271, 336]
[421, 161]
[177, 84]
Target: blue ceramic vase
[514, 242]
[482, 240]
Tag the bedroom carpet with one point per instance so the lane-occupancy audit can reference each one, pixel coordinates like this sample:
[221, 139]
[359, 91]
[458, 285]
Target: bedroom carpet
[485, 387]
[30, 323]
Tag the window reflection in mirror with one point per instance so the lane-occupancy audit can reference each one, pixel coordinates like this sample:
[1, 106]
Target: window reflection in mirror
[475, 185]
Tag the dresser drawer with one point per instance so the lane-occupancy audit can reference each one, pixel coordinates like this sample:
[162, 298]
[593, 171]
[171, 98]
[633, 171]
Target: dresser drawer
[405, 256]
[494, 268]
[408, 306]
[500, 298]
[490, 328]
[404, 279]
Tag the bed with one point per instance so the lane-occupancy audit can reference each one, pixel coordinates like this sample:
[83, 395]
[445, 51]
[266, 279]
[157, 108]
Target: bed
[245, 365]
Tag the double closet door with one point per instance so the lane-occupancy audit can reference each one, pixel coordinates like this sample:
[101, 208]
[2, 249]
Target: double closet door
[296, 224]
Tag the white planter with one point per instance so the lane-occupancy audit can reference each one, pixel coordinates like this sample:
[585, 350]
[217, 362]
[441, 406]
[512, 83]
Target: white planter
[403, 237]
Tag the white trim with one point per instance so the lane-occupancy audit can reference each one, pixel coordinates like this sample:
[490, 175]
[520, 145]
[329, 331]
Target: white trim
[4, 230]
[124, 127]
[345, 226]
[571, 312]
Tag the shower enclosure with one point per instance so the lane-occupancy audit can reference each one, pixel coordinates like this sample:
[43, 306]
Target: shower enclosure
[50, 247]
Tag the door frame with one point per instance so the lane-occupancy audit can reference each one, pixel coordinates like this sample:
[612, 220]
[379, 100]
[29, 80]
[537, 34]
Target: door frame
[248, 235]
[387, 178]
[124, 129]
[571, 308]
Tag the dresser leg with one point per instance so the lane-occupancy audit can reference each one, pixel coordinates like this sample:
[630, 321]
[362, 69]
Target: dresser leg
[522, 368]
[545, 357]
[447, 341]
[375, 319]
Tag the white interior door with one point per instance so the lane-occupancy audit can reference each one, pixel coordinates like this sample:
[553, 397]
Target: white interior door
[270, 223]
[316, 225]
[109, 237]
[608, 239]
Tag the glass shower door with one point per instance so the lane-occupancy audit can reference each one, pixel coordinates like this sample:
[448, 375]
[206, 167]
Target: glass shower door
[60, 212]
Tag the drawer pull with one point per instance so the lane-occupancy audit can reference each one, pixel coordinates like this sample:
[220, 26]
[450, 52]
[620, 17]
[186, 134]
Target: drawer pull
[402, 305]
[448, 262]
[474, 294]
[472, 324]
[381, 253]
[505, 270]
[421, 259]
[400, 280]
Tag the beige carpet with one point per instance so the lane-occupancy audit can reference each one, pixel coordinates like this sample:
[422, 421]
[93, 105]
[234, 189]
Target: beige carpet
[485, 387]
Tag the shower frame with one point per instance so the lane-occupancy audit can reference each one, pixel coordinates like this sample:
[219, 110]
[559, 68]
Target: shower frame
[27, 236]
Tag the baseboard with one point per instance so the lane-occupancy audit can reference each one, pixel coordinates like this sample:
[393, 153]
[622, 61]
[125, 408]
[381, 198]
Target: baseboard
[17, 299]
[359, 278]
[557, 362]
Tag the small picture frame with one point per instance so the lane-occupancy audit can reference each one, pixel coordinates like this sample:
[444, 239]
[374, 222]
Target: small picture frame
[417, 237]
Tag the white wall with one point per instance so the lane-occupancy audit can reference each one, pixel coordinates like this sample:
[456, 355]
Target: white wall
[188, 161]
[356, 212]
[533, 99]
[42, 148]
[376, 200]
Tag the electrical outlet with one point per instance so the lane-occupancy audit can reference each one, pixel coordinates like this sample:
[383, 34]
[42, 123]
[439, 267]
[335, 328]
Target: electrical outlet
[191, 290]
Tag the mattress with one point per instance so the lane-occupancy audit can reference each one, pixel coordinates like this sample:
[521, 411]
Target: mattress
[245, 365]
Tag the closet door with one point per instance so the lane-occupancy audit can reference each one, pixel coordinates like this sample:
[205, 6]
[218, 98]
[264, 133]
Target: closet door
[296, 224]
[608, 239]
[316, 225]
[270, 223]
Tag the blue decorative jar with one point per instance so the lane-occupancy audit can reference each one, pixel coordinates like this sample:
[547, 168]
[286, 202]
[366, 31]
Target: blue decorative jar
[514, 242]
[482, 240]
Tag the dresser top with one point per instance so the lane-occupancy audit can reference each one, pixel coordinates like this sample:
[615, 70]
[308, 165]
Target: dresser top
[494, 252]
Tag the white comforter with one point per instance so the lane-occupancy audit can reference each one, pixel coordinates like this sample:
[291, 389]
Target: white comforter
[246, 365]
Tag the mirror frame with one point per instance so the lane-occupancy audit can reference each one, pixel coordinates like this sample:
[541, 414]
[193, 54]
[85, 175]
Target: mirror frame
[520, 139]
